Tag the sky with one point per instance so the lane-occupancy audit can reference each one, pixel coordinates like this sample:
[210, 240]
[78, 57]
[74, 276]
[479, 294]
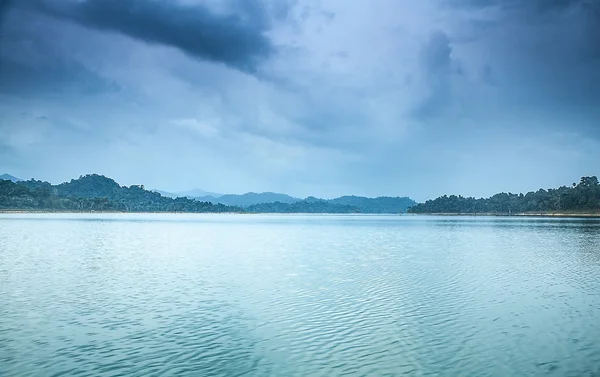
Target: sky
[306, 97]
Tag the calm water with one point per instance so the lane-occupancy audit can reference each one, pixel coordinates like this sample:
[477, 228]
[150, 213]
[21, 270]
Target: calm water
[262, 295]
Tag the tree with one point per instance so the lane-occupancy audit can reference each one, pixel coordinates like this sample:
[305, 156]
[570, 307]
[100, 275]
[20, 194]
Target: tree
[584, 196]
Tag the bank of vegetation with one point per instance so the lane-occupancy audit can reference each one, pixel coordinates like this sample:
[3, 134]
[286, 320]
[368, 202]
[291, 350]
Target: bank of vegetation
[579, 198]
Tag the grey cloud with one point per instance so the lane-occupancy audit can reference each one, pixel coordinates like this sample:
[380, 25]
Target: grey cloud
[421, 114]
[575, 21]
[3, 7]
[435, 55]
[59, 78]
[533, 5]
[237, 39]
[540, 56]
[438, 68]
[32, 64]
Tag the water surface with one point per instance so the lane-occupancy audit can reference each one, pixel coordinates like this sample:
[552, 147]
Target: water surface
[298, 295]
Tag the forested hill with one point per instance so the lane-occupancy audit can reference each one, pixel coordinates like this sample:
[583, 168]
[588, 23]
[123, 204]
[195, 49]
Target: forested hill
[583, 197]
[95, 193]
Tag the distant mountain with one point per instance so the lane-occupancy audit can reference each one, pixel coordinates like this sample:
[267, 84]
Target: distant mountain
[191, 194]
[8, 177]
[344, 204]
[166, 193]
[360, 204]
[197, 193]
[382, 204]
[250, 198]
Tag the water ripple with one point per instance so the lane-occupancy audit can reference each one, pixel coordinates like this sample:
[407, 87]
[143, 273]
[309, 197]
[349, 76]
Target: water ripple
[167, 295]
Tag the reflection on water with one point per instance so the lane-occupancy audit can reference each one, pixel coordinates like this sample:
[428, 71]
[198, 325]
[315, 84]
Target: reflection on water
[298, 295]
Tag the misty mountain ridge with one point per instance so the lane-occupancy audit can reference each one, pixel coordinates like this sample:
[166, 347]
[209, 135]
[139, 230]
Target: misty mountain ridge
[349, 203]
[8, 177]
[381, 204]
[190, 194]
[198, 193]
[249, 198]
[275, 202]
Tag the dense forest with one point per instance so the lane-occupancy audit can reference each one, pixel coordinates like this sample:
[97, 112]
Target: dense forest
[95, 193]
[344, 204]
[303, 206]
[582, 197]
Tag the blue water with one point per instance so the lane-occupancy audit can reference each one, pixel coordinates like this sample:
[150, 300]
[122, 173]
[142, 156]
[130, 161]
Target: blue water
[298, 295]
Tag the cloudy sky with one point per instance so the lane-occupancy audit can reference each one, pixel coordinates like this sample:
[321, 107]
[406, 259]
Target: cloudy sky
[306, 97]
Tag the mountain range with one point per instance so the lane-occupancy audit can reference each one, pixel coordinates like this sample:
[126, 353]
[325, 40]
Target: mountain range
[8, 177]
[277, 202]
[92, 187]
[191, 194]
[249, 198]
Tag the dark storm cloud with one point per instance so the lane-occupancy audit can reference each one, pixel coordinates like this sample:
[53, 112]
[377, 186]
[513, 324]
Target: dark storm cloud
[541, 56]
[3, 8]
[236, 39]
[34, 65]
[538, 5]
[577, 20]
[435, 55]
[56, 78]
[436, 62]
[385, 97]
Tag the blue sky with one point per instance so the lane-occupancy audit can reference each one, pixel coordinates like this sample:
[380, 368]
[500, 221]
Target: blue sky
[306, 97]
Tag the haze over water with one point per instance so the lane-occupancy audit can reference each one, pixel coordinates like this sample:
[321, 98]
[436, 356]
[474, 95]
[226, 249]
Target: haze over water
[298, 295]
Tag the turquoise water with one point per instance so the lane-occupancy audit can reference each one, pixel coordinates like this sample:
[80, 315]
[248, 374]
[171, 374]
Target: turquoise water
[298, 295]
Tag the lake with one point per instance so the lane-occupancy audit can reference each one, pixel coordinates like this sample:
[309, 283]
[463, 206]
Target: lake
[298, 295]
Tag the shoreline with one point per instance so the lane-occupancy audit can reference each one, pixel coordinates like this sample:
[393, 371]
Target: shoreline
[525, 214]
[536, 214]
[22, 211]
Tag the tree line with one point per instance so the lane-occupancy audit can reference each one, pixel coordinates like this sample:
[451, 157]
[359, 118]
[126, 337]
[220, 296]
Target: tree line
[94, 192]
[344, 204]
[582, 197]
